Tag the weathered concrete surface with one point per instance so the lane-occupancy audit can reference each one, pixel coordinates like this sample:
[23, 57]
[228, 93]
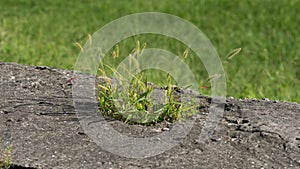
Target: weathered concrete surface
[37, 118]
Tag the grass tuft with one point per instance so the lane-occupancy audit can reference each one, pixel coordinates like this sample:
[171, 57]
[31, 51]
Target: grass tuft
[138, 101]
[5, 158]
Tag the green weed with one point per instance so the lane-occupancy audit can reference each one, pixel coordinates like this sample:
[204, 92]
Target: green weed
[5, 158]
[134, 101]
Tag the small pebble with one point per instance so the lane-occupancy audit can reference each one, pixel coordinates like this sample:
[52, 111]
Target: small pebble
[165, 129]
[266, 99]
[157, 139]
[156, 130]
[198, 151]
[230, 97]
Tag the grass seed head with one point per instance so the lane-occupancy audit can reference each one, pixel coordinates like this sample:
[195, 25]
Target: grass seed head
[186, 53]
[233, 53]
[79, 46]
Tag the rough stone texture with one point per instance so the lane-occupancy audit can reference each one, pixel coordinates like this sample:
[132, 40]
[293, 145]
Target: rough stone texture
[38, 119]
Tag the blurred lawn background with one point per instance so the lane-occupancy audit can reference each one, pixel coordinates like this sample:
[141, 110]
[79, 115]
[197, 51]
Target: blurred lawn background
[43, 32]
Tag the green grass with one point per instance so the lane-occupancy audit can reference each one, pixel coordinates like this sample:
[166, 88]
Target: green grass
[5, 161]
[5, 157]
[44, 32]
[131, 97]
